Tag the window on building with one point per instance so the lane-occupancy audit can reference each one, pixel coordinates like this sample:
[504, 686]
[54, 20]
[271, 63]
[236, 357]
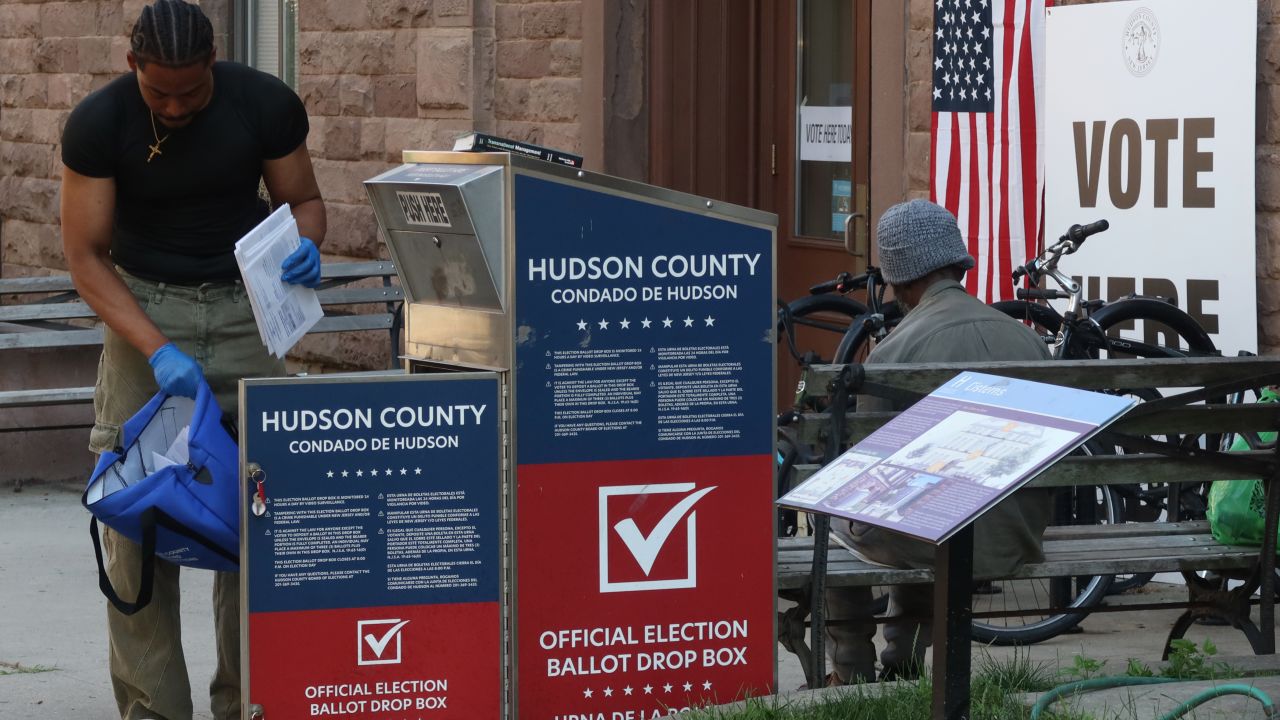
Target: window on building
[267, 37]
[824, 118]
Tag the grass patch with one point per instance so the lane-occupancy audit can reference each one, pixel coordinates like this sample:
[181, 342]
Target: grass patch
[13, 668]
[996, 683]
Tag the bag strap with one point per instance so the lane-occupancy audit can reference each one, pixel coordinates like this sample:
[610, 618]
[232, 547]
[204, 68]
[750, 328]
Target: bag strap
[149, 519]
[148, 570]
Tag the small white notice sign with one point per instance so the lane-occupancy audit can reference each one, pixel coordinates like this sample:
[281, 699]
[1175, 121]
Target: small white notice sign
[826, 133]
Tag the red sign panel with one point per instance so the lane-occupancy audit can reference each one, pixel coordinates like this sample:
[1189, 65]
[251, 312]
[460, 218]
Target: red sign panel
[640, 587]
[383, 663]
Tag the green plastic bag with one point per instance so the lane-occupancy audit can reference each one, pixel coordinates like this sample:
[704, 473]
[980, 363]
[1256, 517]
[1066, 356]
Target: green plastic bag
[1237, 507]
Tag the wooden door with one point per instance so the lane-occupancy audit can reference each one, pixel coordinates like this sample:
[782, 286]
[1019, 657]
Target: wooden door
[724, 77]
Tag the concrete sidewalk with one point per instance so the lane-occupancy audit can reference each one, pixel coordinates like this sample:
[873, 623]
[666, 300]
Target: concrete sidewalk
[53, 617]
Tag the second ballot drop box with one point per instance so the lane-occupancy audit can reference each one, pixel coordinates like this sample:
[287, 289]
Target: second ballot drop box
[632, 329]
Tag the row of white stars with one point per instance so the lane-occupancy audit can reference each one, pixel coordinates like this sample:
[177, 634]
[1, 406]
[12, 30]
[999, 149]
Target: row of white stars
[964, 94]
[374, 472]
[973, 65]
[968, 79]
[950, 49]
[646, 323]
[648, 689]
[958, 34]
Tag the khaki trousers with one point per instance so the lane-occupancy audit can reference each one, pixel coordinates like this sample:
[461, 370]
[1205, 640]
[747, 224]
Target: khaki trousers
[214, 324]
[852, 641]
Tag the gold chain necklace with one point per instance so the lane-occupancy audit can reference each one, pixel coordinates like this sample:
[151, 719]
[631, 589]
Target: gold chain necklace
[155, 149]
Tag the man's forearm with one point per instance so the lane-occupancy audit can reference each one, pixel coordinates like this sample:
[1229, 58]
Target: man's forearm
[311, 219]
[101, 287]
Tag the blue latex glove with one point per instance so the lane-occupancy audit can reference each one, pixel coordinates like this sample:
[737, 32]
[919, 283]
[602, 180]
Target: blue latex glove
[176, 372]
[302, 267]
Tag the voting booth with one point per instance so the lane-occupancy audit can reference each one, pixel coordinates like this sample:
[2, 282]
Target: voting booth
[620, 340]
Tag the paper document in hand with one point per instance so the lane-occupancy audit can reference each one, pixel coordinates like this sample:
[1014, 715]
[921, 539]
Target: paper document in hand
[284, 311]
[963, 448]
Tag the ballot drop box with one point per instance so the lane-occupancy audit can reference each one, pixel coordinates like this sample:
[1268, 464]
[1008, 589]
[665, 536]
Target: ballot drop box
[629, 331]
[371, 558]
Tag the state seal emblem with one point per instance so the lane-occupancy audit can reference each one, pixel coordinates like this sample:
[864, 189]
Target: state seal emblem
[1141, 42]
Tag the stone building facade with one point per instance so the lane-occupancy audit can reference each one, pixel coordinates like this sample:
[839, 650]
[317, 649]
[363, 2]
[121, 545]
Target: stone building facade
[382, 76]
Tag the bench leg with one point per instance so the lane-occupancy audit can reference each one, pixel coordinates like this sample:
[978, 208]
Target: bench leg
[1231, 606]
[791, 628]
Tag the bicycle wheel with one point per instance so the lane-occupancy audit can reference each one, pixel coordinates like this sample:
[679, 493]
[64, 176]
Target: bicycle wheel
[1165, 328]
[816, 320]
[1073, 506]
[1176, 334]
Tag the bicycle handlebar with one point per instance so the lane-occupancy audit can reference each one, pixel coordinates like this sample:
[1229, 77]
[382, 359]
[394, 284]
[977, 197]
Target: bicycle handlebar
[1076, 234]
[1038, 294]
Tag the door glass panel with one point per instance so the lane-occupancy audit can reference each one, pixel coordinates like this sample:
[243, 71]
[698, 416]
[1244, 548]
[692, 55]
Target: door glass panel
[824, 121]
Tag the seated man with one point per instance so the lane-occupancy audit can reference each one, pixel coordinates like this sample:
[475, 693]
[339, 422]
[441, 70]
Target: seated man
[923, 258]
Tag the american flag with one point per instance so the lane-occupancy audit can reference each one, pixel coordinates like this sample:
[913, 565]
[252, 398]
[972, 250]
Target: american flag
[988, 107]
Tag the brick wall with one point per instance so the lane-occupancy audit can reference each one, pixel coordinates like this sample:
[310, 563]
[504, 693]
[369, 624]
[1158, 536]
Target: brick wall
[51, 55]
[377, 77]
[919, 77]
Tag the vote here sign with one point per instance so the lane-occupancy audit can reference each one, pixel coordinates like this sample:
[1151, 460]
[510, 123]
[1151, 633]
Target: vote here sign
[644, 441]
[1150, 125]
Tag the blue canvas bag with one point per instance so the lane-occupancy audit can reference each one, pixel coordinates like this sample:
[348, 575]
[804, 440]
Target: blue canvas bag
[172, 487]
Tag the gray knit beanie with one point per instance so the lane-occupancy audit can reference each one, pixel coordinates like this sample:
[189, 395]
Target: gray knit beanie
[917, 237]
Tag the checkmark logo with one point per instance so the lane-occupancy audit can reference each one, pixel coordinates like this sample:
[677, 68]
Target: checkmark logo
[680, 520]
[374, 636]
[645, 549]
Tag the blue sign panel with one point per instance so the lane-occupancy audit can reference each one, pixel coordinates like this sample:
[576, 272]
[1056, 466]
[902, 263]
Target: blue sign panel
[377, 492]
[643, 331]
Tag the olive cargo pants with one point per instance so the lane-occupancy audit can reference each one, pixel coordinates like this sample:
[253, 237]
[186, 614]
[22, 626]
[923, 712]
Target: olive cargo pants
[214, 324]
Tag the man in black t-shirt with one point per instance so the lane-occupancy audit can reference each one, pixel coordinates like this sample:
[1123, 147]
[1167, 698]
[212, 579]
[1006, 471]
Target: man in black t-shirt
[161, 176]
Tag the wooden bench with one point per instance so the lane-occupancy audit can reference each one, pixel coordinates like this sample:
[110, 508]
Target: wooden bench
[59, 319]
[806, 565]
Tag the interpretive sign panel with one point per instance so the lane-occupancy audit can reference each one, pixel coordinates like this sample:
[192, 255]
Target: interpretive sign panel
[644, 408]
[371, 578]
[947, 459]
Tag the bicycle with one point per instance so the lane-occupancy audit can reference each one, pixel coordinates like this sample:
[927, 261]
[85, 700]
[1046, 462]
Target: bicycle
[1088, 329]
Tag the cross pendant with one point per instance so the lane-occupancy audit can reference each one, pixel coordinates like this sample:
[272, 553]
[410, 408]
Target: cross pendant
[155, 150]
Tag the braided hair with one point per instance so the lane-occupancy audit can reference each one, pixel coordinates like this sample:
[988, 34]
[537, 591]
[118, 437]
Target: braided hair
[172, 33]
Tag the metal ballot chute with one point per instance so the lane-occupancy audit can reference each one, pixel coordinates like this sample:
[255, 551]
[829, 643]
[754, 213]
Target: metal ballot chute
[633, 328]
[444, 222]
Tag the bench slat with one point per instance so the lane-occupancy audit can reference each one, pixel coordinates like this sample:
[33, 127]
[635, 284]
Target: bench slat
[50, 396]
[1069, 550]
[50, 338]
[45, 311]
[374, 268]
[1192, 420]
[1089, 374]
[1119, 470]
[351, 296]
[1066, 532]
[79, 309]
[51, 283]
